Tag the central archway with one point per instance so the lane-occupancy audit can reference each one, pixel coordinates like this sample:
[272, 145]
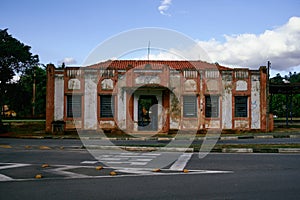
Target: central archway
[147, 113]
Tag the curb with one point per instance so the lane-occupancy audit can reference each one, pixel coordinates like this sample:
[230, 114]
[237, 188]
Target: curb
[148, 139]
[190, 150]
[289, 150]
[263, 137]
[137, 148]
[258, 150]
[229, 138]
[237, 150]
[163, 149]
[294, 136]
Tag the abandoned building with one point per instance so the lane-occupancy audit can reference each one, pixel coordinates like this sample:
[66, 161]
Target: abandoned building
[156, 96]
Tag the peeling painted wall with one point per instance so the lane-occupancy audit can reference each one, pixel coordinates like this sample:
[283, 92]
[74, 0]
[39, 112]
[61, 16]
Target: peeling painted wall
[175, 112]
[243, 124]
[255, 102]
[175, 108]
[188, 124]
[147, 80]
[212, 85]
[241, 85]
[74, 84]
[227, 102]
[122, 109]
[59, 97]
[107, 84]
[190, 85]
[72, 124]
[212, 124]
[90, 103]
[121, 102]
[107, 124]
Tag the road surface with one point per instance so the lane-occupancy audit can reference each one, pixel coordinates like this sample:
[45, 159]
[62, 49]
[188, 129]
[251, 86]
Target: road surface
[72, 174]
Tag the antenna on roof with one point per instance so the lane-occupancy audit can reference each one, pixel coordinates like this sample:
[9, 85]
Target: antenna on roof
[148, 50]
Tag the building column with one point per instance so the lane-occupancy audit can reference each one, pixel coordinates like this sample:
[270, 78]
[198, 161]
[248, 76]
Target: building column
[50, 97]
[129, 111]
[90, 102]
[166, 114]
[263, 97]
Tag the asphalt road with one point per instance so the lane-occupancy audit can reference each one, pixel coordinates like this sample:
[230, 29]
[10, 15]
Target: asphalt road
[76, 142]
[72, 175]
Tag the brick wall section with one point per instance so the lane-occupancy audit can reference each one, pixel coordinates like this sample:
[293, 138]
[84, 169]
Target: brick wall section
[50, 97]
[263, 98]
[166, 114]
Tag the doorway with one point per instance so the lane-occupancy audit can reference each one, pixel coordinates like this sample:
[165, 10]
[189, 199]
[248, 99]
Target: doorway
[147, 113]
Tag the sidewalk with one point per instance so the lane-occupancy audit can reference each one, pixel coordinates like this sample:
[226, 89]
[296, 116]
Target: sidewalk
[278, 133]
[162, 140]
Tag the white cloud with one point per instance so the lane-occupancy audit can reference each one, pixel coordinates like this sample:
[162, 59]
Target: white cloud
[281, 46]
[68, 61]
[164, 6]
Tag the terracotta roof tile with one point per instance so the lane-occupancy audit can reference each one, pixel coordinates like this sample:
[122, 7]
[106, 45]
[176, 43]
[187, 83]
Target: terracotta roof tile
[156, 64]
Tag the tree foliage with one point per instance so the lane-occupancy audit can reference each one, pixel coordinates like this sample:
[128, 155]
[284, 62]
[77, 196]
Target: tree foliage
[24, 88]
[15, 59]
[279, 104]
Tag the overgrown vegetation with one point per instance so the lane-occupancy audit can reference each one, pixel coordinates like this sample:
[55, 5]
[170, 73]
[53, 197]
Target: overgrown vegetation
[278, 104]
[19, 68]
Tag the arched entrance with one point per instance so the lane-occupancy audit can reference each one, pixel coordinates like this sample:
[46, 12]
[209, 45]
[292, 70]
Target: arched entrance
[147, 113]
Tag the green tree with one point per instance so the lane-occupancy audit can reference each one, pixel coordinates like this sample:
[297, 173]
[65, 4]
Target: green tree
[15, 58]
[35, 75]
[278, 105]
[277, 79]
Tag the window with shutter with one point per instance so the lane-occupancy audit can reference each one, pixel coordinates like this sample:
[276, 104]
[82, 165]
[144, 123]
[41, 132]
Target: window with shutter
[212, 106]
[74, 106]
[189, 106]
[241, 106]
[107, 106]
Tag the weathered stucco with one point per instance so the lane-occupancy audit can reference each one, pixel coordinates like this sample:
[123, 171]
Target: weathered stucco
[227, 102]
[59, 97]
[147, 80]
[255, 102]
[243, 124]
[175, 112]
[74, 84]
[121, 98]
[72, 124]
[190, 85]
[212, 124]
[107, 124]
[212, 85]
[90, 103]
[241, 85]
[188, 124]
[107, 84]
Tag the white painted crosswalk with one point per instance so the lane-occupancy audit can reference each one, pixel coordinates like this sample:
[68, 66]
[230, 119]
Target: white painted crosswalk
[181, 162]
[5, 178]
[88, 169]
[128, 159]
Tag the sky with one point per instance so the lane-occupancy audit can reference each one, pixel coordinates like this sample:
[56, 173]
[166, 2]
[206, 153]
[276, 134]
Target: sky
[234, 33]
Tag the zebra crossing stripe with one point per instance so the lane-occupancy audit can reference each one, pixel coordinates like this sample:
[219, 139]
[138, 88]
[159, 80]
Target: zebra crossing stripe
[5, 178]
[13, 165]
[181, 162]
[89, 162]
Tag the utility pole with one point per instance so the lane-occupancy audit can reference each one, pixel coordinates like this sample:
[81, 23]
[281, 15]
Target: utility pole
[148, 51]
[33, 92]
[268, 98]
